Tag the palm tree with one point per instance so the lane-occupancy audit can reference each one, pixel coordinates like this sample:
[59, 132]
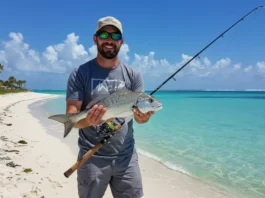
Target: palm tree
[24, 83]
[6, 83]
[1, 67]
[12, 81]
[19, 83]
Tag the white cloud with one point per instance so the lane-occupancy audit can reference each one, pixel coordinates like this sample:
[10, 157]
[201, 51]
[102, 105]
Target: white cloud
[261, 67]
[237, 66]
[149, 65]
[206, 61]
[223, 63]
[123, 54]
[17, 55]
[248, 69]
[3, 58]
[59, 58]
[93, 51]
[51, 55]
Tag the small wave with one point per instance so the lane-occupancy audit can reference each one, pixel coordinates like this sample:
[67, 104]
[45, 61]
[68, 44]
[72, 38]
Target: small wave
[169, 165]
[254, 89]
[219, 90]
[230, 97]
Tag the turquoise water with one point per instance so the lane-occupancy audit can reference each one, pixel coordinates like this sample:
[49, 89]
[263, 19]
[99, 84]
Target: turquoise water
[218, 137]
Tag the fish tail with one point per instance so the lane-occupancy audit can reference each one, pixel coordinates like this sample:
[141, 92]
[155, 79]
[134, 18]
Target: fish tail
[66, 120]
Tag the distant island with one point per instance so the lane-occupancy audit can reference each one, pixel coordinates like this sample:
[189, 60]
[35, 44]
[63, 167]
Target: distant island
[12, 85]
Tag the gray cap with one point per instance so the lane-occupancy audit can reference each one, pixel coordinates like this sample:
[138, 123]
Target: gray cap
[109, 20]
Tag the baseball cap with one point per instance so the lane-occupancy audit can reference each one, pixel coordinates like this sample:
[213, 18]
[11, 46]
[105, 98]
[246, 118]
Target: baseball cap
[109, 20]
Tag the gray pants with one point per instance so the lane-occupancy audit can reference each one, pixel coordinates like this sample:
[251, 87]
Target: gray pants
[122, 174]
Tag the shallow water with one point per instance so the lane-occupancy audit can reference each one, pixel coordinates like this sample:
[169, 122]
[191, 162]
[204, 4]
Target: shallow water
[217, 137]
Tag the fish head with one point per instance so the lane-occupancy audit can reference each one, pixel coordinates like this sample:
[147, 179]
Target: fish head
[146, 102]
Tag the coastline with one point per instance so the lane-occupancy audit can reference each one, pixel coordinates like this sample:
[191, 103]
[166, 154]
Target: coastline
[32, 169]
[48, 154]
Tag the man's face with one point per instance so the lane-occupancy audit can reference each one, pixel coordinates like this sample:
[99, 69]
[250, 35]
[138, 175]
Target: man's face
[108, 48]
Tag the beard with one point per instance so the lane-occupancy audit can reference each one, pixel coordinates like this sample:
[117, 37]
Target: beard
[108, 53]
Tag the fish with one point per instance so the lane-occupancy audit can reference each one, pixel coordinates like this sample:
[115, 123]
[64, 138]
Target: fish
[120, 104]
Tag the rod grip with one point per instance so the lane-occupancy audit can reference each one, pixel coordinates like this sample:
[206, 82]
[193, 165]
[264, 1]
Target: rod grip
[84, 158]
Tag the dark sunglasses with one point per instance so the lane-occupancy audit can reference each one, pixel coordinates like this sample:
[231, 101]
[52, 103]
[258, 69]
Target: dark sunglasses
[114, 35]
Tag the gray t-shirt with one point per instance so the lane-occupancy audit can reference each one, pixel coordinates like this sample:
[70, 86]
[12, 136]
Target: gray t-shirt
[89, 81]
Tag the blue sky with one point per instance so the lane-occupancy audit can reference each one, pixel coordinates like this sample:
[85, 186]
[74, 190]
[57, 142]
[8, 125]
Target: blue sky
[43, 41]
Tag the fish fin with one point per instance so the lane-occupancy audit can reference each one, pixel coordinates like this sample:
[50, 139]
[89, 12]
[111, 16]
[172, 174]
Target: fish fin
[68, 127]
[96, 100]
[62, 118]
[65, 119]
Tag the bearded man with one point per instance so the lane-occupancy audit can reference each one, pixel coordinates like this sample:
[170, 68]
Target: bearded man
[116, 163]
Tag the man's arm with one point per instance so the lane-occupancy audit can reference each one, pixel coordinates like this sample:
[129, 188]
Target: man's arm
[74, 99]
[75, 95]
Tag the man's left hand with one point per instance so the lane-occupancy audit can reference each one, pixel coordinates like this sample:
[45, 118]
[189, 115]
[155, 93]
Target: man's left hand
[142, 117]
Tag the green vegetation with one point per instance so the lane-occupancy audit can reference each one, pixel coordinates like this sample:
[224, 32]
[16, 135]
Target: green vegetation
[6, 91]
[12, 85]
[22, 142]
[27, 170]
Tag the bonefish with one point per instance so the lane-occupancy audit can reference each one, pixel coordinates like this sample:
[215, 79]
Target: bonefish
[119, 104]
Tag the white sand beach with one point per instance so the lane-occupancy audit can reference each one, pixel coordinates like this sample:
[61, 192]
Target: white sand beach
[49, 156]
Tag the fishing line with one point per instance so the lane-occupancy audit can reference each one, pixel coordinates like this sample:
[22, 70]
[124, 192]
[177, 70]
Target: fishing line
[221, 35]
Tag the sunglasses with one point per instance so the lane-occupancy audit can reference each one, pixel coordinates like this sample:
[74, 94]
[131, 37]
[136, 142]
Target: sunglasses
[114, 35]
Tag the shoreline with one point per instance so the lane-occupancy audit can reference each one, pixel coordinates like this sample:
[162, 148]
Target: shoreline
[27, 124]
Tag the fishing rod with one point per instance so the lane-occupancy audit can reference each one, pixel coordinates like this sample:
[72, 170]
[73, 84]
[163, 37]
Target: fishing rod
[221, 35]
[110, 129]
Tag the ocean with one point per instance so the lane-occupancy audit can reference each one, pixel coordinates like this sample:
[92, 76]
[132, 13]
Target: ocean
[217, 137]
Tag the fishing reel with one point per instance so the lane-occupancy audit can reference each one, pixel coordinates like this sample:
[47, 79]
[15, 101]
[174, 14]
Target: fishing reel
[108, 128]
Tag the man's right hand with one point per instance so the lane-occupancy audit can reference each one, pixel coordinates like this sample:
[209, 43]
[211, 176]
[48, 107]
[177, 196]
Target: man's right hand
[95, 114]
[93, 117]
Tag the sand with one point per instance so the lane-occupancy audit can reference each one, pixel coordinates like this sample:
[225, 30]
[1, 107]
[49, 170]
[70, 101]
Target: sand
[48, 155]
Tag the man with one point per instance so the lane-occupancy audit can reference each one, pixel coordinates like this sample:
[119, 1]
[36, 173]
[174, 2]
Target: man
[116, 163]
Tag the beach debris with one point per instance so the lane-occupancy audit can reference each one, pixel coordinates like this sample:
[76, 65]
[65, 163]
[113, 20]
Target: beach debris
[118, 104]
[54, 183]
[9, 124]
[5, 158]
[12, 164]
[27, 170]
[10, 151]
[35, 190]
[3, 138]
[22, 142]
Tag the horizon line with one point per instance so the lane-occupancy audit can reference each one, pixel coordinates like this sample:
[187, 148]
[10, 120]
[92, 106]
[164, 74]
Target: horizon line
[168, 90]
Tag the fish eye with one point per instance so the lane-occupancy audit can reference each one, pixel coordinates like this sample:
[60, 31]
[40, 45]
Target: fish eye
[151, 100]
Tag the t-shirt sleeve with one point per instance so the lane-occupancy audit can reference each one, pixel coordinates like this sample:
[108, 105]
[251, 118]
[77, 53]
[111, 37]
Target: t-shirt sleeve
[138, 83]
[75, 86]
